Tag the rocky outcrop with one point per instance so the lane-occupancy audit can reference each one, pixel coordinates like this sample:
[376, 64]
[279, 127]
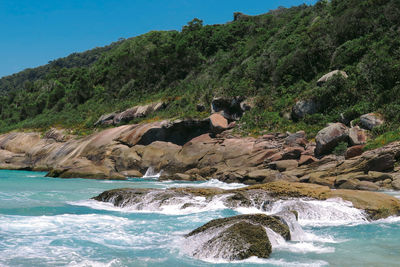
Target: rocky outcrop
[194, 150]
[376, 205]
[130, 114]
[303, 108]
[328, 138]
[371, 120]
[237, 238]
[329, 76]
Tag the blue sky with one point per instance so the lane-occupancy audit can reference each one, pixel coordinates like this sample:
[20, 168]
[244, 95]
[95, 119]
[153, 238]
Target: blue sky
[35, 32]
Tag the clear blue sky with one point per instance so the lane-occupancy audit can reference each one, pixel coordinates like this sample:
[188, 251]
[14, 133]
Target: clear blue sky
[33, 32]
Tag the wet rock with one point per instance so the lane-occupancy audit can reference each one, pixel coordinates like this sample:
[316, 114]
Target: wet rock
[329, 76]
[236, 238]
[371, 120]
[396, 182]
[303, 108]
[368, 186]
[132, 173]
[328, 138]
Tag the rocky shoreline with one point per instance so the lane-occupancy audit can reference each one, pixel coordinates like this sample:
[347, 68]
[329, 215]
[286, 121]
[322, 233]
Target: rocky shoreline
[242, 236]
[276, 167]
[200, 150]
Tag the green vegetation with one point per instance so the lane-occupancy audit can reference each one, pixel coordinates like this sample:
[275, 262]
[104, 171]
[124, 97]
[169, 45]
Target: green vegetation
[276, 58]
[340, 149]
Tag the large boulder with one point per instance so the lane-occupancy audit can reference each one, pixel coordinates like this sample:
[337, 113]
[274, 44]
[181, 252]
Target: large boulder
[371, 120]
[236, 238]
[130, 114]
[328, 138]
[218, 123]
[329, 76]
[303, 108]
[177, 132]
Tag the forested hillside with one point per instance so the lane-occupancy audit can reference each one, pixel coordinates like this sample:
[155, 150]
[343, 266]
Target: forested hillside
[276, 58]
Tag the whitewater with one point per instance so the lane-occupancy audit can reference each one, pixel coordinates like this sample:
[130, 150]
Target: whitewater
[52, 222]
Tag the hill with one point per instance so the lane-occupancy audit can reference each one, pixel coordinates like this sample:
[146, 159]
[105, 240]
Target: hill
[275, 59]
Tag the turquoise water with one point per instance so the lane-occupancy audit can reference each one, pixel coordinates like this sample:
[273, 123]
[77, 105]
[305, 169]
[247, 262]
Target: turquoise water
[51, 222]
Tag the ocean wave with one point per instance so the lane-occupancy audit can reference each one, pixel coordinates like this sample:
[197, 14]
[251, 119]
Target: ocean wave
[178, 206]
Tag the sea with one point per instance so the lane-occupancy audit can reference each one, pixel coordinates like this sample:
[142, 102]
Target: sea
[54, 222]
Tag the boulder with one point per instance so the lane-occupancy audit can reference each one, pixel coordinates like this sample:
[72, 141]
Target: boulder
[236, 238]
[228, 107]
[328, 138]
[177, 132]
[298, 138]
[303, 108]
[130, 114]
[354, 151]
[370, 121]
[329, 76]
[396, 182]
[357, 136]
[292, 153]
[218, 123]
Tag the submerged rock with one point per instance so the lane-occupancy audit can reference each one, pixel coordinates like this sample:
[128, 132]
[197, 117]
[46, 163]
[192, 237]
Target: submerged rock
[235, 238]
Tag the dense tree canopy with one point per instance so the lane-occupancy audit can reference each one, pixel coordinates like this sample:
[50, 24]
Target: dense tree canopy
[276, 58]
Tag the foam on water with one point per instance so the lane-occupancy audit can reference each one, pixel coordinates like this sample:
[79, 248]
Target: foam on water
[91, 233]
[330, 212]
[60, 237]
[173, 206]
[151, 173]
[209, 183]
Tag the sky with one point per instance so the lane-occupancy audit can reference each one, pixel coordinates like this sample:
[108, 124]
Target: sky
[34, 32]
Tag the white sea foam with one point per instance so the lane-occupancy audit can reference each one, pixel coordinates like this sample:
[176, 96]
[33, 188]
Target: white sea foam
[151, 173]
[61, 238]
[270, 261]
[209, 183]
[172, 206]
[330, 212]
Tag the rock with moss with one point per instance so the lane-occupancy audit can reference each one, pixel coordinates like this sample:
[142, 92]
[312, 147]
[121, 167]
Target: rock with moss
[236, 238]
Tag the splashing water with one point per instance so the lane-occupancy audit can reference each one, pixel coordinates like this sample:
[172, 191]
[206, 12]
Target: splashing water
[51, 222]
[152, 173]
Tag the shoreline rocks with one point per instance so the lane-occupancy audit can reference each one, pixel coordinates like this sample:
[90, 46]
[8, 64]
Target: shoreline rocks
[376, 205]
[236, 238]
